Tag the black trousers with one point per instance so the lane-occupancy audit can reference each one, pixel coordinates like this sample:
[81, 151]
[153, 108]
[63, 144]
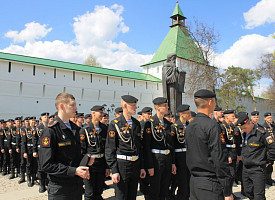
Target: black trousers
[232, 168]
[159, 183]
[204, 188]
[269, 170]
[254, 182]
[23, 163]
[126, 188]
[182, 176]
[6, 158]
[42, 176]
[31, 166]
[72, 191]
[94, 186]
[14, 159]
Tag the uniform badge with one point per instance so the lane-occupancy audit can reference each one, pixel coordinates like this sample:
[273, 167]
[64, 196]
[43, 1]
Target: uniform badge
[237, 133]
[269, 140]
[23, 133]
[112, 133]
[82, 136]
[148, 130]
[33, 132]
[1, 133]
[172, 133]
[9, 133]
[222, 138]
[63, 136]
[46, 141]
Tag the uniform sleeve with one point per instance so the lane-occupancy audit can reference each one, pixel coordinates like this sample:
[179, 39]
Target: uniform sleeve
[18, 139]
[220, 159]
[35, 141]
[173, 140]
[49, 164]
[148, 158]
[1, 140]
[9, 137]
[111, 147]
[141, 152]
[83, 141]
[238, 139]
[23, 141]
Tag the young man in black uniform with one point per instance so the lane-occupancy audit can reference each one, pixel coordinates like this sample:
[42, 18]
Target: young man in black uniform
[270, 128]
[218, 113]
[92, 139]
[159, 151]
[123, 150]
[206, 158]
[118, 112]
[4, 149]
[14, 146]
[183, 175]
[256, 146]
[60, 153]
[42, 176]
[30, 151]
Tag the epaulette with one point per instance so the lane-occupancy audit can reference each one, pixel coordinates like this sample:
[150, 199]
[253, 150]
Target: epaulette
[115, 121]
[54, 122]
[175, 124]
[262, 131]
[151, 119]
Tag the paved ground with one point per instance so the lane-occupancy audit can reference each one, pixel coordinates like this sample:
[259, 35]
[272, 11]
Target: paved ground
[11, 190]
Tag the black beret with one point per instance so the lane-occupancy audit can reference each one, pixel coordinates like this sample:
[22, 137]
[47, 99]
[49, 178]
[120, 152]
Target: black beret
[139, 113]
[228, 112]
[80, 114]
[146, 109]
[10, 120]
[96, 108]
[182, 108]
[160, 100]
[193, 114]
[87, 116]
[26, 118]
[51, 116]
[267, 114]
[118, 110]
[242, 120]
[17, 118]
[255, 113]
[218, 109]
[45, 114]
[31, 118]
[2, 120]
[242, 113]
[105, 114]
[169, 113]
[129, 99]
[204, 93]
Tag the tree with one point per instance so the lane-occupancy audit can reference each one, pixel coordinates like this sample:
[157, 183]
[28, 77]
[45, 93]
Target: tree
[91, 60]
[236, 83]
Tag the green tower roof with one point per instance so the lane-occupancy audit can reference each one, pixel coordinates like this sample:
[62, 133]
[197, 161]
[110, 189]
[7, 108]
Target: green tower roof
[180, 42]
[177, 11]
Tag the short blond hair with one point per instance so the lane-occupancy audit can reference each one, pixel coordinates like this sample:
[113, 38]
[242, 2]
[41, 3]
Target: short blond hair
[201, 102]
[63, 98]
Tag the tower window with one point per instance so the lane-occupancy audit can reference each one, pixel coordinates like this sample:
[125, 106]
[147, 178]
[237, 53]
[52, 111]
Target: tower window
[33, 70]
[54, 73]
[9, 70]
[73, 76]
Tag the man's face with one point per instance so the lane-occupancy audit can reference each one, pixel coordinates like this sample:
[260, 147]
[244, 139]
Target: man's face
[51, 119]
[17, 123]
[230, 117]
[80, 119]
[268, 119]
[88, 120]
[146, 115]
[255, 119]
[168, 117]
[218, 114]
[247, 128]
[97, 115]
[132, 108]
[186, 115]
[45, 119]
[32, 122]
[117, 115]
[70, 108]
[9, 124]
[162, 108]
[27, 123]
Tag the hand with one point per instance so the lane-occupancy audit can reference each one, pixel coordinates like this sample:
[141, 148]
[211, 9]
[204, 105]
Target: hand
[2, 150]
[174, 169]
[91, 161]
[229, 160]
[151, 171]
[142, 173]
[107, 172]
[10, 151]
[116, 177]
[83, 172]
[25, 155]
[35, 155]
[17, 150]
[239, 158]
[229, 198]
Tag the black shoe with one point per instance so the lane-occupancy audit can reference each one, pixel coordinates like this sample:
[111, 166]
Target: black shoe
[29, 182]
[12, 176]
[22, 179]
[42, 189]
[235, 197]
[4, 173]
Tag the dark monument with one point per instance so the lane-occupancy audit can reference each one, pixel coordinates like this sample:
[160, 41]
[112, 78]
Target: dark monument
[173, 81]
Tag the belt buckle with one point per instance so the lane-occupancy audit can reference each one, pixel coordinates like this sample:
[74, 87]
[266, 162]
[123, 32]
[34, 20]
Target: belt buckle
[99, 156]
[234, 145]
[133, 158]
[166, 151]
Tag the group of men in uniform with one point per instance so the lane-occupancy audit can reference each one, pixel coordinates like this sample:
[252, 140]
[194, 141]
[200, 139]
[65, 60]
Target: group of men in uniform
[196, 156]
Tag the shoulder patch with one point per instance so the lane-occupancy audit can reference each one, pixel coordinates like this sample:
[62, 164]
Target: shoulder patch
[112, 133]
[46, 141]
[172, 133]
[148, 130]
[54, 122]
[269, 140]
[82, 136]
[222, 138]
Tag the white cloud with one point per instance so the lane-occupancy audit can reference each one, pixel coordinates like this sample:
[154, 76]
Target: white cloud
[31, 32]
[246, 51]
[263, 12]
[94, 34]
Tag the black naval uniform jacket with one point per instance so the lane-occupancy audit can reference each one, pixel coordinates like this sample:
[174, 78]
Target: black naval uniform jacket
[93, 142]
[39, 130]
[178, 130]
[269, 128]
[60, 152]
[13, 136]
[116, 146]
[258, 148]
[2, 138]
[239, 137]
[28, 138]
[205, 156]
[230, 139]
[150, 143]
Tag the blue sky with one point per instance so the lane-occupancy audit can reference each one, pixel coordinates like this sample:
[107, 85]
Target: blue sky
[124, 34]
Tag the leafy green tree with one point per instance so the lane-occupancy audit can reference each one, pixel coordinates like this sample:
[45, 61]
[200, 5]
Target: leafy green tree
[91, 60]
